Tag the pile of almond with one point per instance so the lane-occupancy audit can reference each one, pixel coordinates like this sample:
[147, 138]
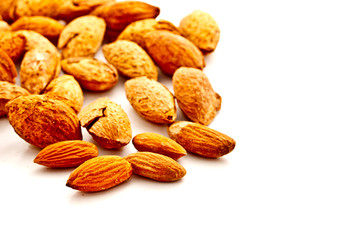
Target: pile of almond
[46, 36]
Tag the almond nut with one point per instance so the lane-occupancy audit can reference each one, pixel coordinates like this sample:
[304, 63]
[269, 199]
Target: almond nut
[8, 71]
[9, 91]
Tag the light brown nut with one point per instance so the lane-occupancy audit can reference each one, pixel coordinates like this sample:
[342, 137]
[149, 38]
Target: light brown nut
[100, 173]
[42, 121]
[136, 31]
[201, 29]
[66, 154]
[91, 73]
[118, 15]
[200, 139]
[48, 27]
[82, 37]
[195, 95]
[156, 166]
[8, 71]
[153, 142]
[151, 100]
[13, 44]
[107, 122]
[36, 40]
[130, 59]
[66, 89]
[5, 7]
[9, 91]
[38, 68]
[171, 51]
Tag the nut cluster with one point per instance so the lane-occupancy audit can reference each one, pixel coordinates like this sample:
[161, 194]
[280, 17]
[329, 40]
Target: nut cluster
[47, 110]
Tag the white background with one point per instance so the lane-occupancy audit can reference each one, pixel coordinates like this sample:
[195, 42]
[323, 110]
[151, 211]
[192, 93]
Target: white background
[279, 69]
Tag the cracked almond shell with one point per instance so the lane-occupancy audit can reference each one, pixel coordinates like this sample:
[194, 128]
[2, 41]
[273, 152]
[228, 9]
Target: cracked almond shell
[42, 121]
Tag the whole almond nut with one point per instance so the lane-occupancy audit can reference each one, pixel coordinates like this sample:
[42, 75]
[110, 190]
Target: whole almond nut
[82, 37]
[156, 166]
[66, 154]
[100, 173]
[92, 74]
[107, 122]
[200, 139]
[195, 95]
[8, 71]
[201, 29]
[151, 100]
[46, 8]
[9, 91]
[130, 59]
[171, 51]
[153, 142]
[42, 121]
[13, 44]
[66, 89]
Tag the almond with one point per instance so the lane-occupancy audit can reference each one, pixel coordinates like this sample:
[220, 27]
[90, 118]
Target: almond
[195, 95]
[156, 166]
[42, 121]
[35, 40]
[82, 37]
[9, 91]
[13, 44]
[151, 100]
[100, 173]
[171, 51]
[66, 89]
[46, 8]
[200, 139]
[107, 122]
[8, 71]
[201, 29]
[92, 74]
[130, 59]
[66, 154]
[153, 142]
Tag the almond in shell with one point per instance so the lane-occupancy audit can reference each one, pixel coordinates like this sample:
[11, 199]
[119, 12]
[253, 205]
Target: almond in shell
[100, 173]
[13, 44]
[9, 91]
[8, 71]
[66, 154]
[200, 139]
[46, 8]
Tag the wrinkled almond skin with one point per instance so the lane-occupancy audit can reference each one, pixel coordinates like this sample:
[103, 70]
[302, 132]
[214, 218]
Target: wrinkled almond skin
[151, 100]
[42, 121]
[82, 37]
[107, 123]
[200, 139]
[100, 173]
[66, 89]
[130, 59]
[171, 51]
[118, 15]
[156, 166]
[9, 91]
[136, 31]
[153, 142]
[8, 71]
[92, 74]
[48, 27]
[66, 154]
[201, 29]
[195, 95]
[13, 44]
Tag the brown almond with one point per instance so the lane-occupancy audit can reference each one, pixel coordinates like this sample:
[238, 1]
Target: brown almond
[8, 71]
[67, 89]
[46, 8]
[195, 95]
[107, 122]
[42, 121]
[156, 166]
[171, 51]
[82, 37]
[100, 173]
[201, 29]
[200, 139]
[151, 100]
[153, 142]
[66, 154]
[35, 40]
[92, 74]
[130, 59]
[13, 44]
[9, 91]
